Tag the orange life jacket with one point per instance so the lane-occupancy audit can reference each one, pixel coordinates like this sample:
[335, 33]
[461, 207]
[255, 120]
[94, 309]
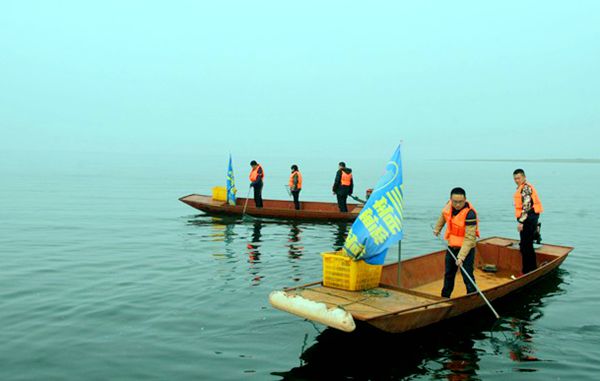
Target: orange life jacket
[291, 183]
[456, 225]
[537, 204]
[254, 173]
[346, 179]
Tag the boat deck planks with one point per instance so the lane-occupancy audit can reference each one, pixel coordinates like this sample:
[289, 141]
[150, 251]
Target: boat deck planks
[363, 305]
[204, 199]
[483, 279]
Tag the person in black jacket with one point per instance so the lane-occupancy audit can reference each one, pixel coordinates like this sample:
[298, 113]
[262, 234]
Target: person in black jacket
[343, 186]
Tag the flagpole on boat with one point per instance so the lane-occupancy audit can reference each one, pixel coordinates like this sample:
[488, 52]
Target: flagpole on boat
[399, 245]
[399, 261]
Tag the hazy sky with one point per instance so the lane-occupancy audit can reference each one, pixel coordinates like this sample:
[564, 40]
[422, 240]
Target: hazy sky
[466, 79]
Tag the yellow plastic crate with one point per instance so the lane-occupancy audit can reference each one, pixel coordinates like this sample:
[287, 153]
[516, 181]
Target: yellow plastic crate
[219, 193]
[340, 271]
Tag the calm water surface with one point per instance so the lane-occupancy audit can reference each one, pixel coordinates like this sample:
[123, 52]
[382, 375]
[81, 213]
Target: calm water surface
[105, 275]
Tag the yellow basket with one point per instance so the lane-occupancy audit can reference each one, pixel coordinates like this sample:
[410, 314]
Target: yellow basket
[340, 271]
[219, 193]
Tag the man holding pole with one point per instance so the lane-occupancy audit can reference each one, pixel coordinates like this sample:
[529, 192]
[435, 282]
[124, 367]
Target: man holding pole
[462, 230]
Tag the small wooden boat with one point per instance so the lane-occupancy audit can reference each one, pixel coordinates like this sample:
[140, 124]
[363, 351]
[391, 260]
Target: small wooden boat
[416, 303]
[309, 210]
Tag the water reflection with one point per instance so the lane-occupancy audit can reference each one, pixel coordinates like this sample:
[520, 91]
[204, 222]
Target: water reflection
[460, 362]
[340, 234]
[450, 350]
[513, 337]
[253, 247]
[295, 249]
[233, 232]
[223, 230]
[220, 229]
[518, 338]
[254, 243]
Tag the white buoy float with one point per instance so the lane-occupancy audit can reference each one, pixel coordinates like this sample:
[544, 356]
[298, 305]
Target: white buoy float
[333, 317]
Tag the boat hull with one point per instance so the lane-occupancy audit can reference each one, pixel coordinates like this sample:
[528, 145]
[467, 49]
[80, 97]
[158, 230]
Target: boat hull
[408, 321]
[309, 210]
[415, 302]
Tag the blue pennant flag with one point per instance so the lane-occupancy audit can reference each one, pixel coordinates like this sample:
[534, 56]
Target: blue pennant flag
[379, 224]
[231, 191]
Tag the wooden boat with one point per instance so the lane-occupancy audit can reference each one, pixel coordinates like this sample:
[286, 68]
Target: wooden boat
[309, 210]
[416, 303]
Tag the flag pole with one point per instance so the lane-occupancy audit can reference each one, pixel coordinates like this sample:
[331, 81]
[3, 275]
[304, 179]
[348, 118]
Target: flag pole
[399, 249]
[399, 258]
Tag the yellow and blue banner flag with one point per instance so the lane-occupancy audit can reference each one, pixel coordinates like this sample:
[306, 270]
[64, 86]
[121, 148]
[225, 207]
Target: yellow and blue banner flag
[231, 191]
[379, 224]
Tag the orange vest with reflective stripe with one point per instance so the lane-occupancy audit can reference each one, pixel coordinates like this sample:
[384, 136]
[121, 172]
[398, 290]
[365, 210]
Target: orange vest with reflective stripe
[291, 183]
[456, 225]
[346, 179]
[537, 204]
[254, 173]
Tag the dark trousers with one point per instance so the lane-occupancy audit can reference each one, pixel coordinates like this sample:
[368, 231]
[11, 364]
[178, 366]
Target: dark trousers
[296, 195]
[526, 244]
[451, 269]
[341, 200]
[258, 201]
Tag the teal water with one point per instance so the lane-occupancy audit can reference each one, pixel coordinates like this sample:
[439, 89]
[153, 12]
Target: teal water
[106, 275]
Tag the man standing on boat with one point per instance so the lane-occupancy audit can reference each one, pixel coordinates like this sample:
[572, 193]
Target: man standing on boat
[256, 181]
[527, 210]
[343, 186]
[462, 230]
[295, 185]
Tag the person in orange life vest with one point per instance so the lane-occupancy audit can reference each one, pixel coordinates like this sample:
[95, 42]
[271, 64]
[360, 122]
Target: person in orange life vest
[462, 230]
[256, 181]
[528, 208]
[295, 185]
[343, 186]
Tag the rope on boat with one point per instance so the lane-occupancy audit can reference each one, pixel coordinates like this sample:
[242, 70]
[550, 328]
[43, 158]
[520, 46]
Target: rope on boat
[378, 293]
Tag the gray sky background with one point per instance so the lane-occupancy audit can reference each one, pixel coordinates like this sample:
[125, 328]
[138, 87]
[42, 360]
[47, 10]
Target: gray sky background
[466, 79]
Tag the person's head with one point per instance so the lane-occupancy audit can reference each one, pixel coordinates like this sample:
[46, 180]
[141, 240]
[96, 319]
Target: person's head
[519, 176]
[342, 165]
[458, 198]
[294, 167]
[253, 163]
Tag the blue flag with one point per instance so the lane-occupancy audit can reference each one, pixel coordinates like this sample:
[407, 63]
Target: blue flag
[231, 191]
[379, 224]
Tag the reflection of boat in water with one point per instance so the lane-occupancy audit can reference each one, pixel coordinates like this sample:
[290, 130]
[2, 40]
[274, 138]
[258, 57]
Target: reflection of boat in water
[451, 350]
[416, 303]
[254, 244]
[248, 236]
[340, 235]
[309, 210]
